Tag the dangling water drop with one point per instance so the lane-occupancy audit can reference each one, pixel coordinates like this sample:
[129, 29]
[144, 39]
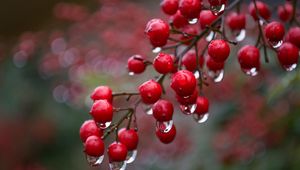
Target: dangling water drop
[104, 125]
[261, 22]
[117, 165]
[156, 50]
[290, 67]
[93, 160]
[131, 155]
[210, 36]
[200, 118]
[276, 44]
[241, 35]
[218, 9]
[164, 127]
[193, 21]
[131, 73]
[148, 110]
[188, 109]
[251, 72]
[217, 75]
[196, 74]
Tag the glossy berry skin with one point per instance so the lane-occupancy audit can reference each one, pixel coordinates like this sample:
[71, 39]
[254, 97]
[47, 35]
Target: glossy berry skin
[236, 21]
[102, 93]
[189, 61]
[183, 82]
[117, 152]
[285, 12]
[263, 10]
[274, 31]
[217, 2]
[178, 20]
[190, 8]
[293, 36]
[166, 138]
[102, 111]
[158, 32]
[249, 57]
[202, 105]
[163, 110]
[188, 100]
[150, 91]
[206, 18]
[169, 7]
[163, 63]
[94, 146]
[214, 66]
[89, 128]
[129, 138]
[288, 54]
[219, 50]
[136, 64]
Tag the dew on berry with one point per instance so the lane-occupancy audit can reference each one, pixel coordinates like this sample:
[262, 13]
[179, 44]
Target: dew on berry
[104, 125]
[156, 50]
[193, 21]
[251, 72]
[276, 44]
[200, 118]
[131, 73]
[94, 160]
[148, 109]
[188, 109]
[131, 155]
[117, 165]
[290, 67]
[261, 22]
[240, 35]
[165, 126]
[196, 74]
[217, 9]
[210, 36]
[216, 75]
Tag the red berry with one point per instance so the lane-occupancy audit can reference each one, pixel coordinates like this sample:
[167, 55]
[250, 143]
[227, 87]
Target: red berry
[288, 54]
[274, 31]
[169, 6]
[190, 8]
[150, 91]
[189, 34]
[249, 57]
[206, 18]
[102, 111]
[217, 2]
[285, 12]
[236, 21]
[102, 93]
[293, 36]
[94, 146]
[214, 66]
[183, 82]
[202, 105]
[129, 138]
[89, 128]
[219, 50]
[262, 8]
[117, 152]
[166, 138]
[189, 61]
[178, 20]
[163, 110]
[163, 63]
[158, 32]
[187, 100]
[136, 64]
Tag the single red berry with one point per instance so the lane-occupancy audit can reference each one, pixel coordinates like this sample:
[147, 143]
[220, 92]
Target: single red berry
[236, 21]
[189, 33]
[89, 128]
[158, 32]
[163, 63]
[150, 91]
[206, 18]
[214, 66]
[219, 50]
[169, 6]
[187, 100]
[168, 137]
[293, 36]
[288, 54]
[94, 146]
[102, 93]
[217, 2]
[285, 12]
[249, 57]
[178, 20]
[202, 105]
[117, 152]
[189, 61]
[136, 64]
[183, 82]
[190, 8]
[262, 8]
[274, 31]
[163, 110]
[102, 111]
[129, 138]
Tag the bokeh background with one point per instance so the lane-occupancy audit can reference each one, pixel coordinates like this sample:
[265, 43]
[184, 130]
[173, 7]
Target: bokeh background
[53, 53]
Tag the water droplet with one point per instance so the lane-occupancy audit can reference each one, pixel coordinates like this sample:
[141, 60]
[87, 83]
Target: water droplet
[156, 49]
[164, 127]
[241, 35]
[131, 73]
[276, 44]
[210, 36]
[196, 74]
[251, 72]
[93, 160]
[193, 21]
[290, 67]
[188, 109]
[218, 9]
[201, 118]
[104, 125]
[217, 75]
[131, 155]
[261, 22]
[148, 109]
[117, 165]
